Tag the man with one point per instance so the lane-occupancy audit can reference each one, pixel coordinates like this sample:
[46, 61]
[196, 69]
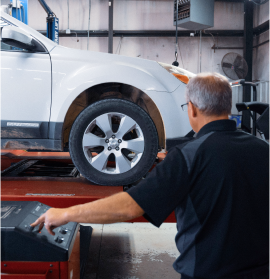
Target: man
[217, 183]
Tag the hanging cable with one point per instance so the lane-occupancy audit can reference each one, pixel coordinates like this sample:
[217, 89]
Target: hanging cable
[88, 24]
[175, 63]
[119, 45]
[181, 56]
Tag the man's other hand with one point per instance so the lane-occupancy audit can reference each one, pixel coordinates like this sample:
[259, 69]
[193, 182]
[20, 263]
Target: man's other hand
[52, 219]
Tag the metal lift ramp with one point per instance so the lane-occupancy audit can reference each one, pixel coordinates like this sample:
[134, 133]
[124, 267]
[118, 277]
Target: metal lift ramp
[52, 179]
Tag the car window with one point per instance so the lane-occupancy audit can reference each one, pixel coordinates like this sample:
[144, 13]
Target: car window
[5, 47]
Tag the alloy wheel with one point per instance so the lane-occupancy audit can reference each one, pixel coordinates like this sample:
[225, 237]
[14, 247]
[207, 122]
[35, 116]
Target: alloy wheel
[113, 143]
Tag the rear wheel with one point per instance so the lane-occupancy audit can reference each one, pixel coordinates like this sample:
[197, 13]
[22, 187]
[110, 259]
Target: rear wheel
[113, 142]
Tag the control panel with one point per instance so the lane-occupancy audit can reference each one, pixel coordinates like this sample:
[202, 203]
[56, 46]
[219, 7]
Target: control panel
[22, 242]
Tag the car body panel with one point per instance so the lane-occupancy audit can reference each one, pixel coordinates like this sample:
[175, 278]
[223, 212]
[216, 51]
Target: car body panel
[26, 94]
[74, 71]
[175, 120]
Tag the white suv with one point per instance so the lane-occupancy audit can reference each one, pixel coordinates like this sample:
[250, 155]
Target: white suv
[112, 112]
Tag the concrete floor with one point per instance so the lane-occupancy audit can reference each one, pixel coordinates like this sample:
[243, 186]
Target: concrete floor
[132, 251]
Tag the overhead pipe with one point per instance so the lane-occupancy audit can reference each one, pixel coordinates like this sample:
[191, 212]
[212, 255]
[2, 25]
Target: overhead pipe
[47, 9]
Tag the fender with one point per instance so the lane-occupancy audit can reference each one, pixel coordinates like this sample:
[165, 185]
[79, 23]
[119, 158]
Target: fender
[74, 71]
[175, 120]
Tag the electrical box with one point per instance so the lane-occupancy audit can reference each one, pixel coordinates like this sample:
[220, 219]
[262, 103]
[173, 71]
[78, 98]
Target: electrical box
[194, 14]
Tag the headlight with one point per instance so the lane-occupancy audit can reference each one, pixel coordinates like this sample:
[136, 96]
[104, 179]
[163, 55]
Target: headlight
[179, 73]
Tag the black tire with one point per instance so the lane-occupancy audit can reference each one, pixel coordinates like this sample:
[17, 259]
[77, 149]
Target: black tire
[129, 109]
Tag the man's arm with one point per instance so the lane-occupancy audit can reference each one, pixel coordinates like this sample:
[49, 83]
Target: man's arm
[117, 208]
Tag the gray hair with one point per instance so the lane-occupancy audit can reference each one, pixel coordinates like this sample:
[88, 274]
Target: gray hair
[211, 93]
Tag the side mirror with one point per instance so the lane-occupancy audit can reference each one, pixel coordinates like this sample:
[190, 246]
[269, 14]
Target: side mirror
[16, 37]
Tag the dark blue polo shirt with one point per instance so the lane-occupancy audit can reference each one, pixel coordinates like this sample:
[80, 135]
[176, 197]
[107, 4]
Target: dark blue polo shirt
[218, 186]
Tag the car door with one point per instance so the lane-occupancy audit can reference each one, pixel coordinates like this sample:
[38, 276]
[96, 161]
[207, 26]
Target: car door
[25, 92]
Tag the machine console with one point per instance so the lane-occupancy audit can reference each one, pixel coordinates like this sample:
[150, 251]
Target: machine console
[21, 242]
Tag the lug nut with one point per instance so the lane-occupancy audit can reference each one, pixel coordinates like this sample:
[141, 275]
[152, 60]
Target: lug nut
[117, 148]
[119, 141]
[113, 136]
[107, 141]
[109, 148]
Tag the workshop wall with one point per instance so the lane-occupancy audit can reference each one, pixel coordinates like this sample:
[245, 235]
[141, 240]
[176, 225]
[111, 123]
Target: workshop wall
[261, 54]
[162, 50]
[128, 14]
[261, 58]
[261, 14]
[142, 15]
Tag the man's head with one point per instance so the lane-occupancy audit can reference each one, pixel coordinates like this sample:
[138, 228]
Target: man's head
[209, 97]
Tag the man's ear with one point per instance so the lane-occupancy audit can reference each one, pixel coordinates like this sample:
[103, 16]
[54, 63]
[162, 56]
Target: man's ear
[193, 110]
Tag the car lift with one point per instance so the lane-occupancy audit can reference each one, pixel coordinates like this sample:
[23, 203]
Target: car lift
[52, 23]
[19, 10]
[52, 179]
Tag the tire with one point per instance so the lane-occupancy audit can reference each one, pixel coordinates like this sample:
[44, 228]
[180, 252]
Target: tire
[123, 136]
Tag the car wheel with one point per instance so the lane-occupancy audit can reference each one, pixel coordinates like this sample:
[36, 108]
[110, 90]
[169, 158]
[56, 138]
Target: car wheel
[113, 142]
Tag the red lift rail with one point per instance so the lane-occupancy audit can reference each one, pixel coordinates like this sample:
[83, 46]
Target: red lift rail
[52, 179]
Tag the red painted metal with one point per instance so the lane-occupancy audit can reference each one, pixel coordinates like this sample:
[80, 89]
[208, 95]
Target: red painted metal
[23, 154]
[25, 276]
[45, 270]
[64, 270]
[55, 192]
[37, 270]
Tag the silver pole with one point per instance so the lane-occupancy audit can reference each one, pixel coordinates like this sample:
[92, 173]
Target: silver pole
[110, 27]
[68, 12]
[88, 24]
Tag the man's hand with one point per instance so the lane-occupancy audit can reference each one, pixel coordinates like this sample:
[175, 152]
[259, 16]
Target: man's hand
[117, 208]
[52, 219]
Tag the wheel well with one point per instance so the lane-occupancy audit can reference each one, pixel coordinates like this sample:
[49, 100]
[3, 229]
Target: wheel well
[113, 90]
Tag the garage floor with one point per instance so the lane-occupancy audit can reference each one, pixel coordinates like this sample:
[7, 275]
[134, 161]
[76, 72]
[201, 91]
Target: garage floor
[132, 251]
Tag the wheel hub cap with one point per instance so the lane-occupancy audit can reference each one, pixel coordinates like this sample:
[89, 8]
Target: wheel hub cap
[113, 143]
